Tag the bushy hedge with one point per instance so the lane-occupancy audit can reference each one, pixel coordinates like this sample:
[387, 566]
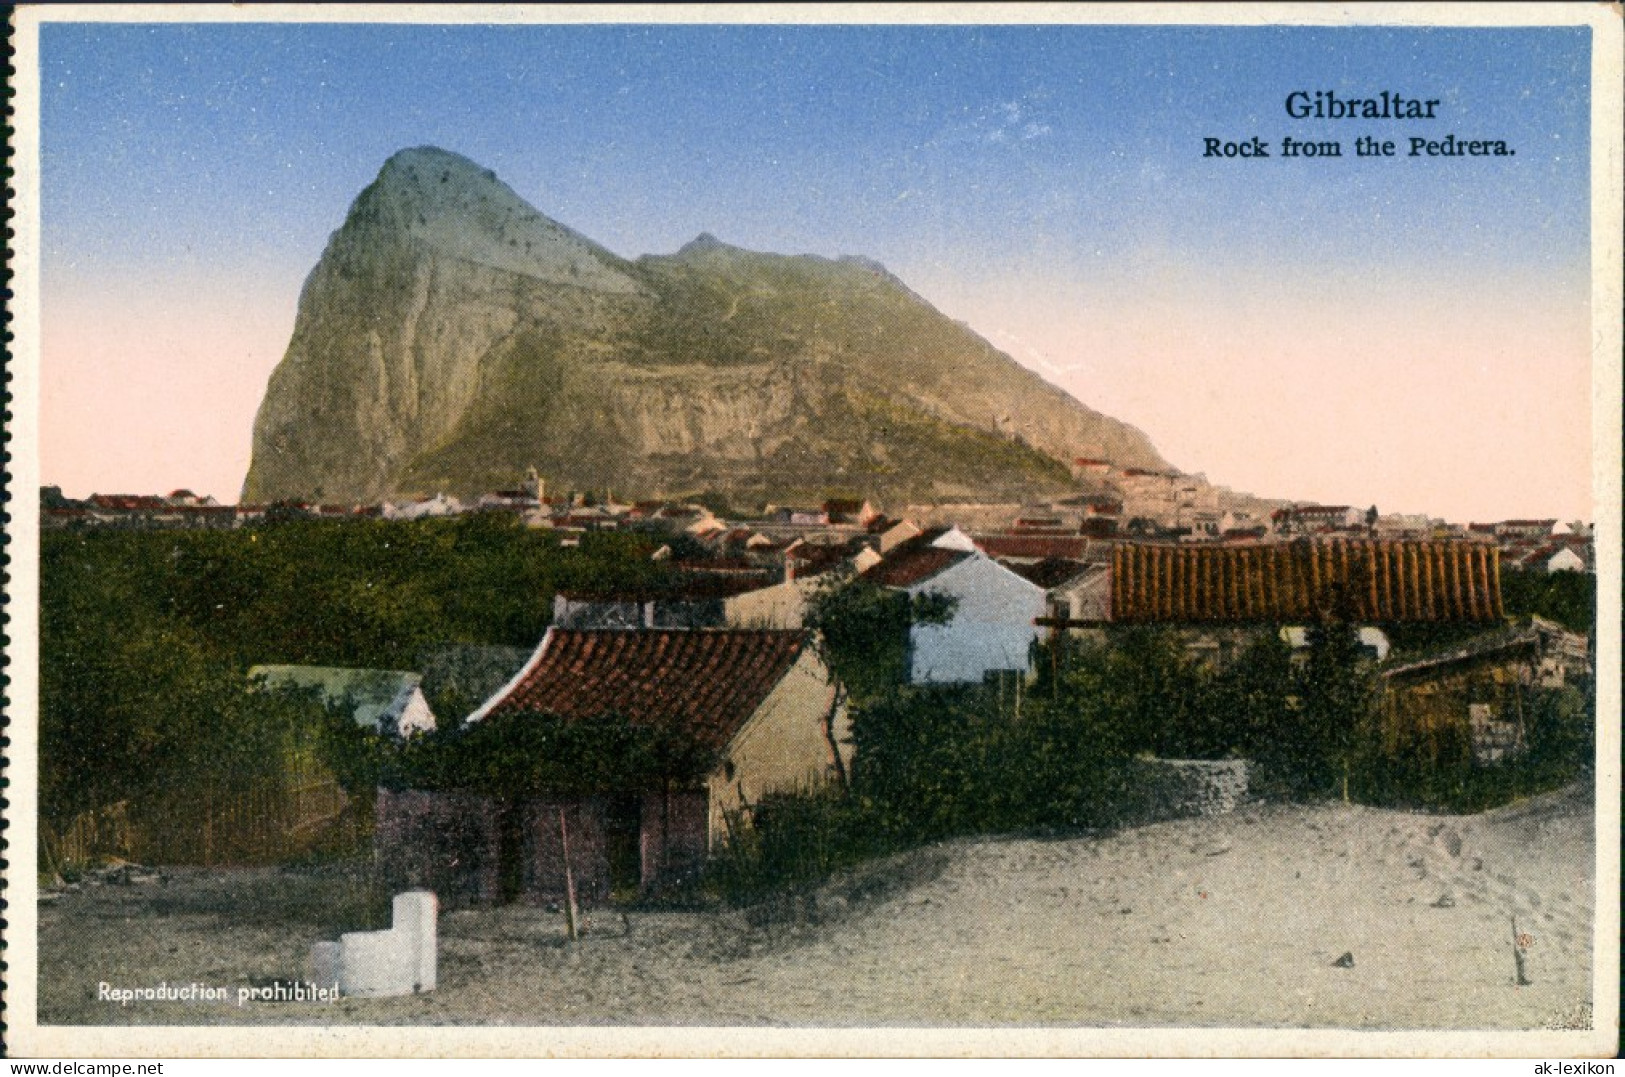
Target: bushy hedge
[942, 761]
[515, 756]
[145, 636]
[1443, 775]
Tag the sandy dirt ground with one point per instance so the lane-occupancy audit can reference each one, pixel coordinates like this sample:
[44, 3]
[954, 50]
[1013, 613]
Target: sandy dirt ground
[1238, 921]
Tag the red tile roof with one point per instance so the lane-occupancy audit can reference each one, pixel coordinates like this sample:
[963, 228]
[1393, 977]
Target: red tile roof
[1050, 572]
[129, 502]
[813, 558]
[703, 682]
[1069, 547]
[904, 567]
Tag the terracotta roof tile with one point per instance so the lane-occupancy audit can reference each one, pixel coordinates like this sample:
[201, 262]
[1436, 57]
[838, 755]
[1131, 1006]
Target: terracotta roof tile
[1068, 547]
[1379, 581]
[904, 567]
[706, 683]
[1050, 572]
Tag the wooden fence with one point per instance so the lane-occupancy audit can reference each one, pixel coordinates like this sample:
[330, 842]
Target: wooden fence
[264, 823]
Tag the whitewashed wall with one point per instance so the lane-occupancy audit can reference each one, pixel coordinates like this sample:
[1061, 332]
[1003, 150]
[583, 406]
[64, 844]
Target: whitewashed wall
[992, 626]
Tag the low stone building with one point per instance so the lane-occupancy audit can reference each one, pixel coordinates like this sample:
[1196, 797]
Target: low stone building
[758, 705]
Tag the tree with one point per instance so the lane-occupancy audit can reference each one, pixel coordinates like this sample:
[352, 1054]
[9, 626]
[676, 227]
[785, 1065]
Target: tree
[1337, 699]
[862, 630]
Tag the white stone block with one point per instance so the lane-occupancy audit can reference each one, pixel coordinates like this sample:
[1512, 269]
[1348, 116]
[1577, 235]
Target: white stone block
[416, 914]
[400, 961]
[375, 964]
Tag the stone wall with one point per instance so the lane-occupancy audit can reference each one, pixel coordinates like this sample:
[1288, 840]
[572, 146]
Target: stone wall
[1179, 788]
[444, 842]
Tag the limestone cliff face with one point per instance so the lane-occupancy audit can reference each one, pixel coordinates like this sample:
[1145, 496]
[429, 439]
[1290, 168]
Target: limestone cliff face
[451, 336]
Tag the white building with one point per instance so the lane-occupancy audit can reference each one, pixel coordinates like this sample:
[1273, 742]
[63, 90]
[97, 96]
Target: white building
[992, 625]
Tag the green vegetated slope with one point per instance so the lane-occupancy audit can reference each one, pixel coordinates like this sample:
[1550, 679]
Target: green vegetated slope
[146, 636]
[452, 336]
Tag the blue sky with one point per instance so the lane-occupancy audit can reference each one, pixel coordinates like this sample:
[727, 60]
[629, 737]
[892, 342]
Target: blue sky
[1043, 183]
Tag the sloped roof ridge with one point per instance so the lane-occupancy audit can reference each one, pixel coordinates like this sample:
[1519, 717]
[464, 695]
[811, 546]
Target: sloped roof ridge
[704, 682]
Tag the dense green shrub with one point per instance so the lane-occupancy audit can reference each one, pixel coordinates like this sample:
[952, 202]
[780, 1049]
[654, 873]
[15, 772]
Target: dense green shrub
[1442, 775]
[145, 636]
[513, 756]
[863, 629]
[1569, 598]
[793, 840]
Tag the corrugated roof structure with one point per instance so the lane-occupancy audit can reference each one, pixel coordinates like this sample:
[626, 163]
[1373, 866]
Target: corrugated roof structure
[1370, 581]
[703, 682]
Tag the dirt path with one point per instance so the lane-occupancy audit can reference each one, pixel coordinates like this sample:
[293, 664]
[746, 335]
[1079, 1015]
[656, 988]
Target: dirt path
[1234, 921]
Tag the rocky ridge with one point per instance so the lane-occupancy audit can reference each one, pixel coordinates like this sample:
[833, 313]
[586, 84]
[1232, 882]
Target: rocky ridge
[451, 336]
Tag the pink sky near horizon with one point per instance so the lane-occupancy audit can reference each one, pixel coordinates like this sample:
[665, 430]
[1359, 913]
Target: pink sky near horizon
[151, 384]
[1475, 405]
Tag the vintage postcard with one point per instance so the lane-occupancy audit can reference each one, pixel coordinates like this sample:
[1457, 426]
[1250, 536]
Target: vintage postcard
[850, 530]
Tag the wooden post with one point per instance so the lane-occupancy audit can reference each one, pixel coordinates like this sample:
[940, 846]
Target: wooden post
[1346, 589]
[1138, 566]
[1517, 956]
[1115, 601]
[1204, 587]
[1180, 605]
[1255, 584]
[1458, 605]
[570, 911]
[1381, 577]
[1272, 584]
[1414, 572]
[1057, 634]
[1230, 586]
[1430, 585]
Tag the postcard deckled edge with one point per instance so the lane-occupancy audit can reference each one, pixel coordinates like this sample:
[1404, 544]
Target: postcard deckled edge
[25, 1037]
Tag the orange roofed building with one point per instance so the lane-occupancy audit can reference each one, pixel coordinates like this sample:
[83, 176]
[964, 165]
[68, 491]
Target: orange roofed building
[759, 704]
[1220, 597]
[1368, 581]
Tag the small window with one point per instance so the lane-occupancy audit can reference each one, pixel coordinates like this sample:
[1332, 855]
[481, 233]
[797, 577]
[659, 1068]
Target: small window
[728, 769]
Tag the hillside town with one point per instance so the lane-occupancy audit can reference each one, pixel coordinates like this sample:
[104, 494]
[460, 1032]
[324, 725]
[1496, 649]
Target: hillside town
[1131, 548]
